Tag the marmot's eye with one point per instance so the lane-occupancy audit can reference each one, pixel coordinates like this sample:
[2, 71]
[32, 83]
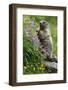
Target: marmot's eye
[44, 22]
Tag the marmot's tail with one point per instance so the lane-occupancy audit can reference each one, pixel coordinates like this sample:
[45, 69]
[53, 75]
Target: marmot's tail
[53, 59]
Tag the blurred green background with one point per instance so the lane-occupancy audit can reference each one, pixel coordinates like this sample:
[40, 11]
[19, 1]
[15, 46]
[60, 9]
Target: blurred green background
[32, 56]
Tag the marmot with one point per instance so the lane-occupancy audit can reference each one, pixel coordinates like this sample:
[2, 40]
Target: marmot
[45, 38]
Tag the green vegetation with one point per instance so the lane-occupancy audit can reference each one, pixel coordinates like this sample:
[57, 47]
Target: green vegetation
[32, 56]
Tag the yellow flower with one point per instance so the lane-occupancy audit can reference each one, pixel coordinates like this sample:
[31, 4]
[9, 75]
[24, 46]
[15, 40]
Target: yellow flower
[34, 68]
[40, 68]
[25, 67]
[31, 65]
[42, 65]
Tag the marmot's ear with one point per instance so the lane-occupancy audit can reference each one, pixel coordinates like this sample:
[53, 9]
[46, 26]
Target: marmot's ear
[37, 30]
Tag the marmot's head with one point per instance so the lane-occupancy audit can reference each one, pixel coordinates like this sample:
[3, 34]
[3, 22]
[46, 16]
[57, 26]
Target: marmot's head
[43, 25]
